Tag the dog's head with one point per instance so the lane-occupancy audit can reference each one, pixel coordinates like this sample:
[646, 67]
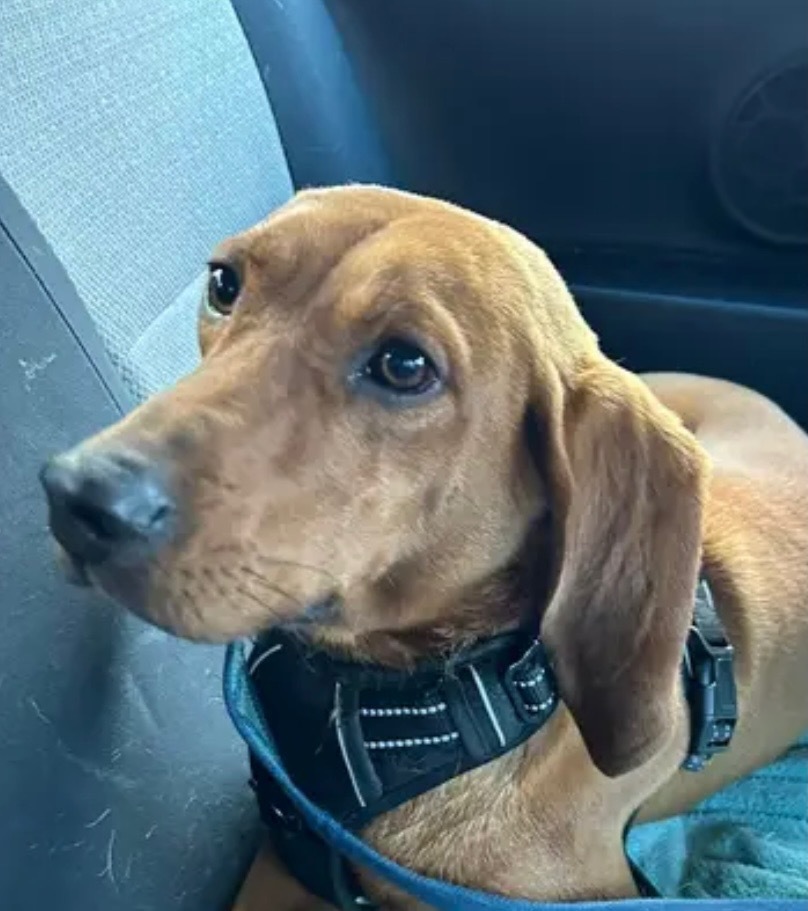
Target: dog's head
[402, 426]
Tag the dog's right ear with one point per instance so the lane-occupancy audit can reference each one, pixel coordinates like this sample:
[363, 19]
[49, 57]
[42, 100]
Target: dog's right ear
[626, 483]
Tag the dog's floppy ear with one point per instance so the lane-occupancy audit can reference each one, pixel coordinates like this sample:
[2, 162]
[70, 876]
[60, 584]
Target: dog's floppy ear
[626, 485]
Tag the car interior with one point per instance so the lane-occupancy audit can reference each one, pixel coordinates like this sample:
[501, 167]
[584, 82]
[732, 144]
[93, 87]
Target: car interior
[657, 151]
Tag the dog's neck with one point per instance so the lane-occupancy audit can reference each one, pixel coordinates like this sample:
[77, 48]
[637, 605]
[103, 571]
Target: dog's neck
[546, 778]
[432, 613]
[541, 820]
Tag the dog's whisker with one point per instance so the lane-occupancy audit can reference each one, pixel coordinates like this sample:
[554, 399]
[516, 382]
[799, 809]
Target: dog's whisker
[296, 564]
[260, 577]
[275, 589]
[232, 576]
[236, 551]
[251, 596]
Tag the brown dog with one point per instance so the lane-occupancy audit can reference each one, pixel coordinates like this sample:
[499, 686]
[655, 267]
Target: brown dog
[401, 413]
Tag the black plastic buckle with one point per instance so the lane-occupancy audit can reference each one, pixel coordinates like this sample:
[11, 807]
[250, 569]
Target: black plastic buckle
[308, 857]
[347, 895]
[530, 683]
[712, 697]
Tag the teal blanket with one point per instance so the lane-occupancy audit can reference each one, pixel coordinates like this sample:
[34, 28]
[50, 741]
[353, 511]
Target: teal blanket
[748, 841]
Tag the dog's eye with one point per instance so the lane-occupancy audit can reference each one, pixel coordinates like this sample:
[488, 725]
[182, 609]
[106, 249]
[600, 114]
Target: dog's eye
[402, 368]
[223, 288]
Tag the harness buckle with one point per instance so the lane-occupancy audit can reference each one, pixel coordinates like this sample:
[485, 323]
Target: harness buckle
[711, 693]
[530, 683]
[346, 890]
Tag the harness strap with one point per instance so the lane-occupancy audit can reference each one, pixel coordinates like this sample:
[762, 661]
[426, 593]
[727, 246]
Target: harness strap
[361, 740]
[709, 681]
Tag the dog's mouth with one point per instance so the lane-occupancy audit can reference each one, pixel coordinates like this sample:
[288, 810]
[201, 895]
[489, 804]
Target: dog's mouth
[73, 569]
[121, 584]
[323, 612]
[126, 589]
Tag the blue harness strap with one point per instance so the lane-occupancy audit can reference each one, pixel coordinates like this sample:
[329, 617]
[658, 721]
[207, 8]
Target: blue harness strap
[440, 895]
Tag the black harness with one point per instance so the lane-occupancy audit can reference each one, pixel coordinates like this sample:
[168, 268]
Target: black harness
[359, 739]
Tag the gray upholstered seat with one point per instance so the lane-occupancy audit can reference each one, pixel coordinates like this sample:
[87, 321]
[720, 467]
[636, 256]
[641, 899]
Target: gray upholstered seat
[134, 135]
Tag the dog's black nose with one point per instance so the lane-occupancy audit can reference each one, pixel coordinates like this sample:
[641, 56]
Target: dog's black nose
[105, 505]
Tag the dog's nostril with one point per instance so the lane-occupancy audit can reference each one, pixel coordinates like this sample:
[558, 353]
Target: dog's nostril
[111, 523]
[102, 525]
[102, 505]
[160, 516]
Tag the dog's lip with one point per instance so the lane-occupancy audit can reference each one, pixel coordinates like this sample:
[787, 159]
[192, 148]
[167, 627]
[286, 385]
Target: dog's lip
[322, 612]
[74, 570]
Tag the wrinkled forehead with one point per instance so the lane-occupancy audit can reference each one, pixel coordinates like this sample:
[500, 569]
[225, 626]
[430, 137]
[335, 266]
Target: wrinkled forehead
[317, 224]
[369, 242]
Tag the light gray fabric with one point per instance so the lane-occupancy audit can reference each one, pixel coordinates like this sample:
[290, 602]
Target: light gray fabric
[137, 134]
[168, 346]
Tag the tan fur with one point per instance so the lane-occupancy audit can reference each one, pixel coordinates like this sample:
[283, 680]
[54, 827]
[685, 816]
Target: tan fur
[545, 479]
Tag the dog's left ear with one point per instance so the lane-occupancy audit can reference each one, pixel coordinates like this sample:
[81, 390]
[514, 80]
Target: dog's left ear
[626, 483]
